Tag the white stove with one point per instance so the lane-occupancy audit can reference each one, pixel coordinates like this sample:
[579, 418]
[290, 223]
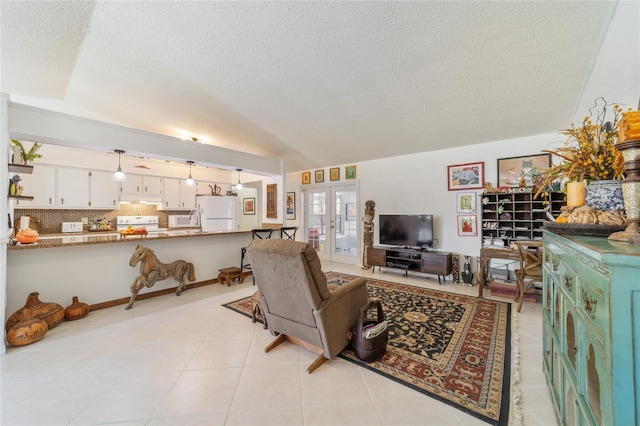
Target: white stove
[149, 222]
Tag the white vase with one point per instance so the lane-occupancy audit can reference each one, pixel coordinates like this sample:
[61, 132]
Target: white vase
[17, 155]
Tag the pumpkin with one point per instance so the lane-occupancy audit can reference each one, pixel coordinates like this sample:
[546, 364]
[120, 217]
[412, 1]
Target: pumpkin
[27, 236]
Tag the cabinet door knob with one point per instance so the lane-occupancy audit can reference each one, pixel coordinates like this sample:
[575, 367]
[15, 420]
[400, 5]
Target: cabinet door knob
[62, 201]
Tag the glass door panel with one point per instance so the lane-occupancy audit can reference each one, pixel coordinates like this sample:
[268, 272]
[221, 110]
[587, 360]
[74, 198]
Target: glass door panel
[331, 215]
[344, 225]
[316, 218]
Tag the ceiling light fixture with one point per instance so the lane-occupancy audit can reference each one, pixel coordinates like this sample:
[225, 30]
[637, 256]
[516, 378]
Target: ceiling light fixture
[119, 174]
[190, 180]
[239, 185]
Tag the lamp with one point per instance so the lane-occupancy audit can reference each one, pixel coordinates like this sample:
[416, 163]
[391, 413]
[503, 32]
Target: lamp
[190, 180]
[119, 174]
[238, 185]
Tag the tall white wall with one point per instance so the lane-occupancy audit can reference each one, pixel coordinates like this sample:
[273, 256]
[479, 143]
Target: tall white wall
[616, 73]
[417, 184]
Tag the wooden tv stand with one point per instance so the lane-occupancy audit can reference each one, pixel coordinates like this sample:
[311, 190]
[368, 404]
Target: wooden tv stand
[429, 262]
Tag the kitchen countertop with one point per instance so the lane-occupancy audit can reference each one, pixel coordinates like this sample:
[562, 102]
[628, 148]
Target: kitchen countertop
[88, 238]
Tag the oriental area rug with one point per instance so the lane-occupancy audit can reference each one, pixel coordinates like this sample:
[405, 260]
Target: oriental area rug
[451, 347]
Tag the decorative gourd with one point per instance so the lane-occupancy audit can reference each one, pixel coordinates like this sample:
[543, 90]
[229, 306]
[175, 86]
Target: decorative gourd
[76, 310]
[26, 330]
[50, 312]
[27, 236]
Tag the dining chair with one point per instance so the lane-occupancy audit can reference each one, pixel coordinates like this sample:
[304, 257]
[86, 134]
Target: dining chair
[260, 234]
[288, 232]
[530, 267]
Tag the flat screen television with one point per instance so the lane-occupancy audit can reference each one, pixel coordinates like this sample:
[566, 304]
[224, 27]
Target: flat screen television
[414, 231]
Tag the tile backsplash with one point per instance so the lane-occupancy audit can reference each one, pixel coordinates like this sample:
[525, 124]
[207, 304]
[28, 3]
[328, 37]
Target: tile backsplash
[51, 219]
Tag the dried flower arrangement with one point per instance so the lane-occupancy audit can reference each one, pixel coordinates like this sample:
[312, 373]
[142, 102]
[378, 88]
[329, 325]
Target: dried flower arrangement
[589, 153]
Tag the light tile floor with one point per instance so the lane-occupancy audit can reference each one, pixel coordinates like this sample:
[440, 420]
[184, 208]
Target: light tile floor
[189, 361]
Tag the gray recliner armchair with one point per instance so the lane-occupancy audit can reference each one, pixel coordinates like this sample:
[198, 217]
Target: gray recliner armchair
[298, 304]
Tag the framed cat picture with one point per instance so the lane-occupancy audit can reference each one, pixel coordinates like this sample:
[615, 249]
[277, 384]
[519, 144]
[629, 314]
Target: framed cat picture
[522, 171]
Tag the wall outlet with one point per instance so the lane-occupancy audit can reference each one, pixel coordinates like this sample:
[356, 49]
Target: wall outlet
[85, 221]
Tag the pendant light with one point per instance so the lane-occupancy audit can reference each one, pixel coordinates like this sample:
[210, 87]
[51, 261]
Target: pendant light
[190, 181]
[239, 185]
[119, 174]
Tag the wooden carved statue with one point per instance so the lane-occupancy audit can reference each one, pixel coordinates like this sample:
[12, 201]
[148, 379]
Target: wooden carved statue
[369, 212]
[152, 270]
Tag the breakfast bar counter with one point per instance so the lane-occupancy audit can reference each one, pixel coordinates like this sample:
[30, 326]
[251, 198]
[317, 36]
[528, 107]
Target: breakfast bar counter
[67, 240]
[96, 267]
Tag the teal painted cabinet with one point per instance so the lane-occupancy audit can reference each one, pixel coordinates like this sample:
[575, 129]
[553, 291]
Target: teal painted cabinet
[591, 329]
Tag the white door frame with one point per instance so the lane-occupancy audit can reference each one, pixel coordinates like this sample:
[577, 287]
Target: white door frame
[329, 188]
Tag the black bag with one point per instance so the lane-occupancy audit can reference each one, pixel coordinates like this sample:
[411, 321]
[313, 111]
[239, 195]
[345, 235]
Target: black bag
[371, 336]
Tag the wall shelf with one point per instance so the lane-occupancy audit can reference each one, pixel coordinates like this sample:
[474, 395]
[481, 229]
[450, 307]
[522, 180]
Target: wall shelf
[508, 217]
[21, 197]
[20, 168]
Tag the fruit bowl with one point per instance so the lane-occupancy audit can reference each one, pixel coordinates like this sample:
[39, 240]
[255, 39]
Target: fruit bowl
[134, 231]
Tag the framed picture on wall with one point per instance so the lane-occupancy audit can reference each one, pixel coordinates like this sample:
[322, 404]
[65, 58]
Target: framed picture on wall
[467, 225]
[272, 201]
[334, 173]
[249, 206]
[350, 172]
[319, 176]
[291, 205]
[306, 178]
[466, 202]
[512, 170]
[466, 176]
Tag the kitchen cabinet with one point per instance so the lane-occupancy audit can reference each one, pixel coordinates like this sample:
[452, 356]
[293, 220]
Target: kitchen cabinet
[73, 188]
[139, 184]
[62, 187]
[171, 195]
[103, 191]
[41, 185]
[187, 196]
[591, 327]
[178, 195]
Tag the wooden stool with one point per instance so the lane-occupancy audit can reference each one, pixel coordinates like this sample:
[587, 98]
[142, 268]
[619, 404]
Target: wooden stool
[230, 274]
[258, 313]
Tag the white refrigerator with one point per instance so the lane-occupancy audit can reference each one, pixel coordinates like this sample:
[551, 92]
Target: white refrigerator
[217, 213]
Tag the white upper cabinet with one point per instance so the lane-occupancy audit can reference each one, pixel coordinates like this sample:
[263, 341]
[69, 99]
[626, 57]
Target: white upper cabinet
[171, 196]
[139, 184]
[178, 195]
[187, 195]
[104, 191]
[41, 185]
[152, 185]
[73, 188]
[141, 188]
[133, 184]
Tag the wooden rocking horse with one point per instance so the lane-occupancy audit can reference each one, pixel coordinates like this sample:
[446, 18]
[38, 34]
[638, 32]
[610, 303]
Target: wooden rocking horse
[152, 270]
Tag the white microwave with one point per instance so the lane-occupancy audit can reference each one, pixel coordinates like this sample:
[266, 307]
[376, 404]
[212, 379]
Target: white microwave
[183, 221]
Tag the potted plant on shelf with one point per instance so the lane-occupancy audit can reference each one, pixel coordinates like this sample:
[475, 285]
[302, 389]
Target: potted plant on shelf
[21, 155]
[589, 157]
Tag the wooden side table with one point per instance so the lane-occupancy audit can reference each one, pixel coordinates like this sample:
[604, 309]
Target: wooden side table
[230, 274]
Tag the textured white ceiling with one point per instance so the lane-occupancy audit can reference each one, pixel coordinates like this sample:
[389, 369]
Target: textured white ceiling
[313, 83]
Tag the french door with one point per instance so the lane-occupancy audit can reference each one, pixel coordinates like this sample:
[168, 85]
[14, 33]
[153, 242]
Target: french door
[331, 215]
